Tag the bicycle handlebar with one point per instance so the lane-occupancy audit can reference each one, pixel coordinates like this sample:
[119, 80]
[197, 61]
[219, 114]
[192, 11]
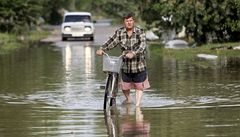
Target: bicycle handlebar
[108, 55]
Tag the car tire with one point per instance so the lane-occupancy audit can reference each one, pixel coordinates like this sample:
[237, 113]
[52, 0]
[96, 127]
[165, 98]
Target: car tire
[64, 39]
[92, 38]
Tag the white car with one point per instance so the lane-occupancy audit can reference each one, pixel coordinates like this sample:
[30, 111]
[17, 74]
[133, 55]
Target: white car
[77, 25]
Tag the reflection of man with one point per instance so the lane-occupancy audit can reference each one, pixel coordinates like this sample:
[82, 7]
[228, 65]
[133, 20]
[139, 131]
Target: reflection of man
[137, 128]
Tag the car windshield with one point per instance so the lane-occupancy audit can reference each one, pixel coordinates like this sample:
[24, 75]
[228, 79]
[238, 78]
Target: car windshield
[77, 18]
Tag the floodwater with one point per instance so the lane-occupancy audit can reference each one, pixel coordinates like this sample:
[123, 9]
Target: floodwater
[54, 91]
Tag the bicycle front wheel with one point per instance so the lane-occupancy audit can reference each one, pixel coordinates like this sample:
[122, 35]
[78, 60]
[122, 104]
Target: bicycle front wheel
[109, 100]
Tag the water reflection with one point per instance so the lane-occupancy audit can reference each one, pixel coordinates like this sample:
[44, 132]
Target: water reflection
[111, 122]
[67, 56]
[55, 93]
[80, 86]
[128, 121]
[134, 126]
[30, 70]
[79, 56]
[89, 62]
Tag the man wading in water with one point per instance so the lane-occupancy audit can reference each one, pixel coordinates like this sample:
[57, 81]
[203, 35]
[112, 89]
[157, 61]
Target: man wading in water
[132, 41]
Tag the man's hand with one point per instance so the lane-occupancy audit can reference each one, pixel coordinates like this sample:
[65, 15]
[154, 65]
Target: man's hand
[99, 52]
[130, 55]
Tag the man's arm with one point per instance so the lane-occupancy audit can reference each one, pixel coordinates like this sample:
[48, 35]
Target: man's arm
[110, 43]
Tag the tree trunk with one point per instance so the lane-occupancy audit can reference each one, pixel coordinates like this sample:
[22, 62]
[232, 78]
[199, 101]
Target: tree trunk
[72, 6]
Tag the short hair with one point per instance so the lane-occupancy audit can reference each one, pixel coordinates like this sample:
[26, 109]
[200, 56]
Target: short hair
[128, 15]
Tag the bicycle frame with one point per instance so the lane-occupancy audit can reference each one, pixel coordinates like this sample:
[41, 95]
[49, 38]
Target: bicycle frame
[111, 89]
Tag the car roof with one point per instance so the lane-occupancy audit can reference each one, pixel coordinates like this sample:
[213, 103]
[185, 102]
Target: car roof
[77, 13]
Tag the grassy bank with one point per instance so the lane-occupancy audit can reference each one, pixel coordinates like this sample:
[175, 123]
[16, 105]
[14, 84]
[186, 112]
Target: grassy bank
[11, 42]
[220, 49]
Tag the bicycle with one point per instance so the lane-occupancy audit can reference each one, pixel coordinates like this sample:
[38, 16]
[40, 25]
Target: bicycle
[111, 65]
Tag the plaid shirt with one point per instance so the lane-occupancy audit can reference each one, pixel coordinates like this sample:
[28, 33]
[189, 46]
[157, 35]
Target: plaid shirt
[136, 43]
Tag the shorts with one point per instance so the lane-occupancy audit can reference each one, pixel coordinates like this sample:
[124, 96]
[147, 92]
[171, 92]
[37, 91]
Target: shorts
[137, 81]
[134, 77]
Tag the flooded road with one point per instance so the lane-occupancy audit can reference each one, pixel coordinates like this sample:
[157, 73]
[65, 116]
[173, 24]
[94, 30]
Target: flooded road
[54, 91]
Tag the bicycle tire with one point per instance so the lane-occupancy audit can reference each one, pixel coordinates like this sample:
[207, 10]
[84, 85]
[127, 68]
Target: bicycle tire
[115, 89]
[109, 101]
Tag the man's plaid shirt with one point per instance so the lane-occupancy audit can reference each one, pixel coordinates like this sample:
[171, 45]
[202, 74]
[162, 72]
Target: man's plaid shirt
[136, 43]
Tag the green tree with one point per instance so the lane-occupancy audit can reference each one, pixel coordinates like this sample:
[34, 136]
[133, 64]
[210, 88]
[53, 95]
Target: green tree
[17, 16]
[51, 11]
[205, 20]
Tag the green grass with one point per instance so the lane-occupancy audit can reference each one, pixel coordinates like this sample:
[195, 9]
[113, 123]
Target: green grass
[213, 49]
[8, 43]
[11, 42]
[38, 35]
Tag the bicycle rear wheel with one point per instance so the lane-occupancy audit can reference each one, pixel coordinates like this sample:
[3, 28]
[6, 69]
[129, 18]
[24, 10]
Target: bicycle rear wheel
[109, 99]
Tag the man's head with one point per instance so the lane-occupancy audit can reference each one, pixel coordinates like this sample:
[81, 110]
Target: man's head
[128, 20]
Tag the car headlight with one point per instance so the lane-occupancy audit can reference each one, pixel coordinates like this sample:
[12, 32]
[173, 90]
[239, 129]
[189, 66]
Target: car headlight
[87, 28]
[67, 28]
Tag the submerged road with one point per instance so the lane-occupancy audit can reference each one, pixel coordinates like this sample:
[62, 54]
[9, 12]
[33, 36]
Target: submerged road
[54, 91]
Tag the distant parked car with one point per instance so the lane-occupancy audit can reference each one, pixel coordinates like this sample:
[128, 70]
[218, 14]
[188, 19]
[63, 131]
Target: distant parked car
[77, 25]
[176, 44]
